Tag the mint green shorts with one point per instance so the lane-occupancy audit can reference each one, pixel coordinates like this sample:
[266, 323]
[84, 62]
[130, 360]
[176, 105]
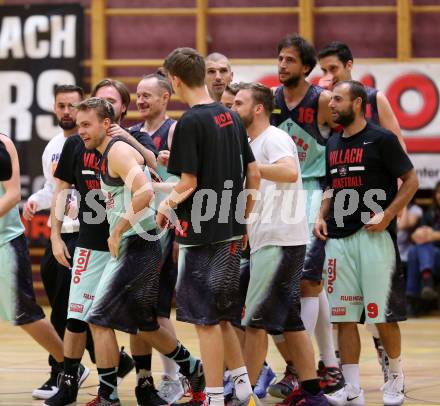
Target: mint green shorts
[88, 267]
[364, 278]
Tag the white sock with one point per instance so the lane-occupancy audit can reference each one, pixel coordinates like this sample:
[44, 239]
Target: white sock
[351, 374]
[309, 313]
[242, 384]
[373, 330]
[395, 365]
[324, 333]
[335, 337]
[215, 396]
[170, 368]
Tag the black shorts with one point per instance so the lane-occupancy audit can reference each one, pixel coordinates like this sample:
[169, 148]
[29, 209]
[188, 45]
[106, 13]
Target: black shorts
[17, 296]
[127, 294]
[273, 297]
[208, 283]
[168, 277]
[314, 260]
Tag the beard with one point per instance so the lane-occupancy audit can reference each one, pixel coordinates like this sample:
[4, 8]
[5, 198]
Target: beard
[345, 118]
[247, 120]
[291, 81]
[68, 124]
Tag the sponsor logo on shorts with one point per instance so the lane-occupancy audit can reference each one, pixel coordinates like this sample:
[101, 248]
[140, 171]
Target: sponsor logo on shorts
[339, 311]
[88, 296]
[76, 307]
[352, 299]
[331, 274]
[81, 264]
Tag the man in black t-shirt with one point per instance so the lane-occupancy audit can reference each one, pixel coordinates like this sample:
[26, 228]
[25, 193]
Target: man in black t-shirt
[358, 221]
[211, 154]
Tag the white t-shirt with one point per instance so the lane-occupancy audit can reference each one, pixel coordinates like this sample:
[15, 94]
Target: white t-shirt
[43, 197]
[281, 215]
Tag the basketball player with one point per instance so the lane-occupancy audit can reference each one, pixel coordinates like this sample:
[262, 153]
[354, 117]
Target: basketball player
[79, 166]
[302, 111]
[278, 246]
[126, 296]
[228, 95]
[218, 74]
[56, 277]
[358, 220]
[336, 61]
[153, 94]
[17, 297]
[210, 153]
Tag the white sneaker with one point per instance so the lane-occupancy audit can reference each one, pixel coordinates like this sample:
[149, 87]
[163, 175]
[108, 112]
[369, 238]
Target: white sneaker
[394, 390]
[348, 395]
[169, 390]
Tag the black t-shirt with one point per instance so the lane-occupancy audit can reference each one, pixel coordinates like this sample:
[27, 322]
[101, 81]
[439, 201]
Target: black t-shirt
[362, 170]
[79, 166]
[5, 163]
[210, 142]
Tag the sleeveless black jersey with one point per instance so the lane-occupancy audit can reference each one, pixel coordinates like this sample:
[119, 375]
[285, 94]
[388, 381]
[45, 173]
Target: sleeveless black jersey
[160, 136]
[301, 123]
[372, 113]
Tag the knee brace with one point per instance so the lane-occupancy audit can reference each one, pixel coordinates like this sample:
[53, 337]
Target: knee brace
[76, 326]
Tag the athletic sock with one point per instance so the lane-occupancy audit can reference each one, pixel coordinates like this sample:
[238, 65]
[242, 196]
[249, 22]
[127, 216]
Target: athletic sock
[215, 396]
[108, 383]
[395, 365]
[311, 386]
[142, 364]
[351, 374]
[336, 342]
[372, 328]
[309, 313]
[71, 366]
[184, 359]
[242, 384]
[324, 333]
[170, 368]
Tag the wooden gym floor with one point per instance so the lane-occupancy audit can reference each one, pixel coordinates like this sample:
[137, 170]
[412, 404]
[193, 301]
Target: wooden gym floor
[23, 365]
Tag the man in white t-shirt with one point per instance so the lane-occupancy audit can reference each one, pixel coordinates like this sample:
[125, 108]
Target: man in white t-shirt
[278, 235]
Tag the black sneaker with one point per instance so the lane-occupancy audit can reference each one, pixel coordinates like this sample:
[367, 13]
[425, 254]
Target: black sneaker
[126, 365]
[83, 373]
[49, 388]
[67, 391]
[146, 393]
